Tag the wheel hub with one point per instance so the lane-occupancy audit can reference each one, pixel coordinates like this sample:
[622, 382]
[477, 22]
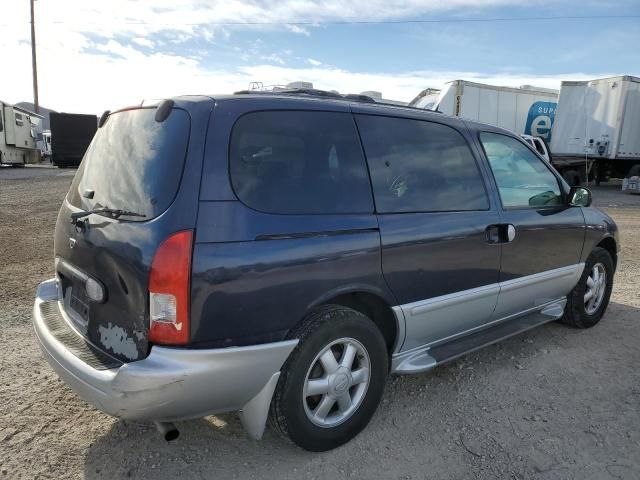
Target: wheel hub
[595, 288]
[336, 382]
[340, 381]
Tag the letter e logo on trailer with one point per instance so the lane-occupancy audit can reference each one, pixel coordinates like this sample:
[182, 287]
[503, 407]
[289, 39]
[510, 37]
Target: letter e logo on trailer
[540, 119]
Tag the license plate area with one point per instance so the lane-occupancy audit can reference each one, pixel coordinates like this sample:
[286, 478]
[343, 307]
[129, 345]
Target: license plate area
[77, 304]
[79, 301]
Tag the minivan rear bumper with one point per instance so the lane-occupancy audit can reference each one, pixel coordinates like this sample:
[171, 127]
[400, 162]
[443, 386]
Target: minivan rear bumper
[171, 383]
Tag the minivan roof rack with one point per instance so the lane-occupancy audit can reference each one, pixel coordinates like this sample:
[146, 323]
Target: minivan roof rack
[314, 92]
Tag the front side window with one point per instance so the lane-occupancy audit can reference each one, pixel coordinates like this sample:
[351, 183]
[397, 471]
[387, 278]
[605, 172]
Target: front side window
[523, 179]
[299, 162]
[420, 166]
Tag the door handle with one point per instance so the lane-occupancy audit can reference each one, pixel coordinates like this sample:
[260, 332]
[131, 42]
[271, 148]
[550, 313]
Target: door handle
[501, 233]
[493, 234]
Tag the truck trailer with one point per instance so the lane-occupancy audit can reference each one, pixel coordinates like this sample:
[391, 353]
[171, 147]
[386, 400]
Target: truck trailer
[596, 132]
[18, 135]
[71, 134]
[525, 110]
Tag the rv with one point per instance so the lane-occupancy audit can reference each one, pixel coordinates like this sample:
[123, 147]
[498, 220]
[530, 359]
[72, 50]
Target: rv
[18, 135]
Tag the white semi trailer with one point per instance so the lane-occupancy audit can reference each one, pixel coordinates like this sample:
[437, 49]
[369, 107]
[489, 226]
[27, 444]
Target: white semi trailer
[596, 132]
[525, 110]
[18, 135]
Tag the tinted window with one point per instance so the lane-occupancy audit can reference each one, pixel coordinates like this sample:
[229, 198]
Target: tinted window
[419, 166]
[133, 163]
[299, 162]
[523, 179]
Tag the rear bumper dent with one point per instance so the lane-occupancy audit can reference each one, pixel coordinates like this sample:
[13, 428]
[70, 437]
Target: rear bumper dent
[171, 384]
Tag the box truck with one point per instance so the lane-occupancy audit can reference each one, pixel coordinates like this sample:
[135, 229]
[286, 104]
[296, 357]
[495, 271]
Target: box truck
[71, 134]
[524, 110]
[18, 135]
[596, 132]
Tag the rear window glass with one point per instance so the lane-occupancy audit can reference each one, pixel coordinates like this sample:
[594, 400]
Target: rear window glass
[299, 162]
[420, 166]
[133, 163]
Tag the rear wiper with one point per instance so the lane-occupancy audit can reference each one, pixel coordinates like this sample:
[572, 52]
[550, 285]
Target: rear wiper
[112, 212]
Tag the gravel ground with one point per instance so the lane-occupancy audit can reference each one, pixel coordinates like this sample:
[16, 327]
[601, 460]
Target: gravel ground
[554, 403]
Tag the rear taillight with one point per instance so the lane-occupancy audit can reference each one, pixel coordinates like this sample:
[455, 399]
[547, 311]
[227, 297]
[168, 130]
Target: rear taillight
[169, 285]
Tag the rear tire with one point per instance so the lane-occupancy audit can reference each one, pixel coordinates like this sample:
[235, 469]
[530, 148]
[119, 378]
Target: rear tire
[588, 301]
[342, 355]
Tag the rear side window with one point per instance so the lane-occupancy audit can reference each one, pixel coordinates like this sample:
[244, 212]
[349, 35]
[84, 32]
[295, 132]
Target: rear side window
[133, 163]
[299, 162]
[419, 166]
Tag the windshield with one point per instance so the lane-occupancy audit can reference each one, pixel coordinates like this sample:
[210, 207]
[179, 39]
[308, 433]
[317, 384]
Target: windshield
[133, 163]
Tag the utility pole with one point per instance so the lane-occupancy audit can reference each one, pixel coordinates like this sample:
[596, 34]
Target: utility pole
[34, 67]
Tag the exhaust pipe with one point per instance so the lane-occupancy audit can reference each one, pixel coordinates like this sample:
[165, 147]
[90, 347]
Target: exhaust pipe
[168, 430]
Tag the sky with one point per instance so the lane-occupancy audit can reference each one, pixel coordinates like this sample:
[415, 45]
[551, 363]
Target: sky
[97, 55]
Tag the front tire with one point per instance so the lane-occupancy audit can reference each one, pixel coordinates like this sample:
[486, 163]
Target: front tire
[588, 301]
[333, 381]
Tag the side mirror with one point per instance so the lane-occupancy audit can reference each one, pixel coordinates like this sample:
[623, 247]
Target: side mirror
[579, 197]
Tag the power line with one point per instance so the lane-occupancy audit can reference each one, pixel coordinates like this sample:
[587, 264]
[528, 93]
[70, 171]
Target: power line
[357, 22]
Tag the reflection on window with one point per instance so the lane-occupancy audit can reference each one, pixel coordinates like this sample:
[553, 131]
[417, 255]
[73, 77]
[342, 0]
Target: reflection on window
[133, 162]
[419, 166]
[299, 162]
[523, 179]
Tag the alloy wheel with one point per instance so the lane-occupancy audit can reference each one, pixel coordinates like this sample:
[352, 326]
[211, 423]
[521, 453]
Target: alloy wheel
[336, 383]
[595, 288]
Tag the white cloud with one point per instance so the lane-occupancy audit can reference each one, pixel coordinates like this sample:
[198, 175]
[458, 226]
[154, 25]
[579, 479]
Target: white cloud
[121, 75]
[144, 42]
[125, 16]
[273, 57]
[298, 29]
[79, 73]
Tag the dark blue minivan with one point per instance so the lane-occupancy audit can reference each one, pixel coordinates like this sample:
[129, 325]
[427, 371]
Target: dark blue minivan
[279, 254]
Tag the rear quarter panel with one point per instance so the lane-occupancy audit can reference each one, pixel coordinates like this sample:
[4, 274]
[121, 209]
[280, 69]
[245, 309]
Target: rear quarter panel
[256, 275]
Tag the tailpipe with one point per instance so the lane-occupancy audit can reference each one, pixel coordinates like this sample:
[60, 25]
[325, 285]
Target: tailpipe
[168, 430]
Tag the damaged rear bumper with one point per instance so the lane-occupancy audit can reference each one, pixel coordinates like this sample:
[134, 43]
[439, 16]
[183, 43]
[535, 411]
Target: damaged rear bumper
[171, 383]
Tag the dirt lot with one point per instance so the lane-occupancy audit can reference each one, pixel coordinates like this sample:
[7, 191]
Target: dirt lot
[555, 403]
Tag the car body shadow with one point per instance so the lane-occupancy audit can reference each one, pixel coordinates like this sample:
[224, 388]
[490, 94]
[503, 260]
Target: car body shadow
[504, 403]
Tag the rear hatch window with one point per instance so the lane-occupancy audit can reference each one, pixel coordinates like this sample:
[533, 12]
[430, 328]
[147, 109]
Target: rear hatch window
[134, 163]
